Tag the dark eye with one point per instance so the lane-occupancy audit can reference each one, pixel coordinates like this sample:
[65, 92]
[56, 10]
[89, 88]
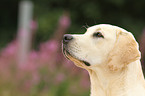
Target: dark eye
[98, 34]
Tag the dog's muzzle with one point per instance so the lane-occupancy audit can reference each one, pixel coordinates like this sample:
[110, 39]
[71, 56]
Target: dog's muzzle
[66, 39]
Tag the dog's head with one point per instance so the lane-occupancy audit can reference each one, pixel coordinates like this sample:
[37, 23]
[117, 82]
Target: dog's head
[101, 44]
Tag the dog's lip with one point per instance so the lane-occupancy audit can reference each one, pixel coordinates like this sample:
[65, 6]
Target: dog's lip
[86, 63]
[66, 53]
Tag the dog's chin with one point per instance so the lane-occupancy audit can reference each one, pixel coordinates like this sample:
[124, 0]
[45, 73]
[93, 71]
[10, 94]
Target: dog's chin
[77, 61]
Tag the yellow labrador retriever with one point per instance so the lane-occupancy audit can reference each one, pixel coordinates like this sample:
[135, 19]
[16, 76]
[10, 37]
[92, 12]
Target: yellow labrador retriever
[111, 56]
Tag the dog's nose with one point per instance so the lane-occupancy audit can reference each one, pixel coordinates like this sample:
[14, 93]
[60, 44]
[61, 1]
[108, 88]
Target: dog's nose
[67, 38]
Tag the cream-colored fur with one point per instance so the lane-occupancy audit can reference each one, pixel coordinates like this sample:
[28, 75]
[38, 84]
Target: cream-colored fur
[115, 68]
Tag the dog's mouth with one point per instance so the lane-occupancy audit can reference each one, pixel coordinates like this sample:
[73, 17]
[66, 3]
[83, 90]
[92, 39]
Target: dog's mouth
[71, 57]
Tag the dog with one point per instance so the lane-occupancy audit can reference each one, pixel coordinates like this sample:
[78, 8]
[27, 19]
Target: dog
[111, 56]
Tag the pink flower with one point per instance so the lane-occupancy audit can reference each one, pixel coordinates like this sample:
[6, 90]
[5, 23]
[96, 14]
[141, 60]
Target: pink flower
[49, 46]
[10, 50]
[65, 20]
[60, 78]
[33, 25]
[33, 55]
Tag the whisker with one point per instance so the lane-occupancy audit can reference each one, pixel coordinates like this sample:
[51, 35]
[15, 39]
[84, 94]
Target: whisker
[85, 26]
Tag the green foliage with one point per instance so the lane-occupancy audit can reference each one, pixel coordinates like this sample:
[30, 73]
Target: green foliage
[128, 14]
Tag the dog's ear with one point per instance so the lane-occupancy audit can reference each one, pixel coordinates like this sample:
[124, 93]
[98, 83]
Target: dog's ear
[124, 52]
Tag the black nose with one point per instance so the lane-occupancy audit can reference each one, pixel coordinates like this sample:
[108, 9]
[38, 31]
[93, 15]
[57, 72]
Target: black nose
[67, 38]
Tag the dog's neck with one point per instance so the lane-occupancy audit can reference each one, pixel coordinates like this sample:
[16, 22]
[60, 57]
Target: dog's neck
[123, 83]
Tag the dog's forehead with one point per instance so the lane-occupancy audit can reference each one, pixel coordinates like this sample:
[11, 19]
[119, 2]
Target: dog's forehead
[105, 28]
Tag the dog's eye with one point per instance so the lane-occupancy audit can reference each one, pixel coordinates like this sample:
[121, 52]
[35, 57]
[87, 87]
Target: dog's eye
[98, 34]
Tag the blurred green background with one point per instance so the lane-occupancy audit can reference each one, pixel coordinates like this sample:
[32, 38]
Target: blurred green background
[129, 14]
[58, 77]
